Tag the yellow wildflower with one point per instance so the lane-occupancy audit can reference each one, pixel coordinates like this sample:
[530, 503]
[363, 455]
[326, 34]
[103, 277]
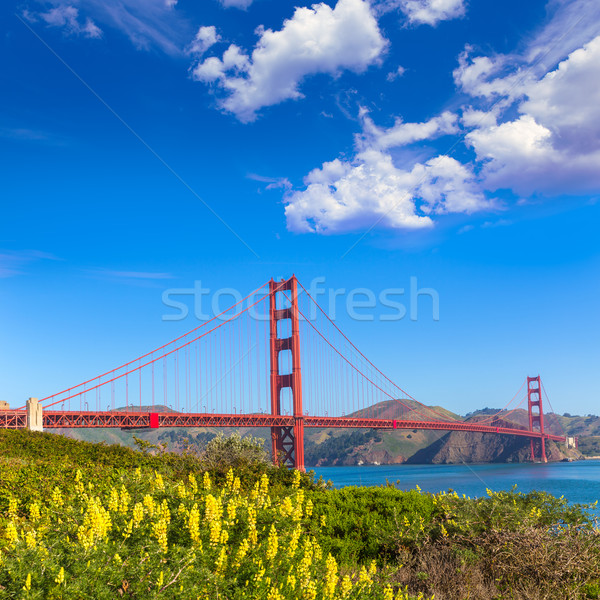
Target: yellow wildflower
[30, 539]
[12, 508]
[272, 544]
[149, 504]
[11, 533]
[27, 586]
[60, 578]
[331, 576]
[57, 499]
[346, 586]
[206, 483]
[34, 511]
[138, 513]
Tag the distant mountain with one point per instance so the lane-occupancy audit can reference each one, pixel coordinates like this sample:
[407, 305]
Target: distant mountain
[366, 446]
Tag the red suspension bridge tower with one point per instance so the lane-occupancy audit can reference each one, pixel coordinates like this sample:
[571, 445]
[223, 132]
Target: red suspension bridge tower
[536, 418]
[287, 442]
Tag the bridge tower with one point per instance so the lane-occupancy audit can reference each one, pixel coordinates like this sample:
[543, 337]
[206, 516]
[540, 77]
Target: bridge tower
[287, 442]
[536, 418]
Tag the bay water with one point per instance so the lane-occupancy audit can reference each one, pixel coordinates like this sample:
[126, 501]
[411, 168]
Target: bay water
[578, 481]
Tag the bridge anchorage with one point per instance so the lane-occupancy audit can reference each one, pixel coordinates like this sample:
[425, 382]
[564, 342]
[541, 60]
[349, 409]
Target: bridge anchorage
[242, 368]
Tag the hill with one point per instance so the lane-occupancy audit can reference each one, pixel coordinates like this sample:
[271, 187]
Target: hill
[329, 447]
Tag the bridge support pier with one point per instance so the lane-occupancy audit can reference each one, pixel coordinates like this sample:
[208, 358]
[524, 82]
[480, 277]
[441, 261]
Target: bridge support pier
[287, 443]
[35, 420]
[536, 415]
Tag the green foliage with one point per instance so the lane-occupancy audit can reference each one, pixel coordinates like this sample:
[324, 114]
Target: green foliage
[222, 453]
[155, 524]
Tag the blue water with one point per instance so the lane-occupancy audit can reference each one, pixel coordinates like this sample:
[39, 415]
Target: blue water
[579, 481]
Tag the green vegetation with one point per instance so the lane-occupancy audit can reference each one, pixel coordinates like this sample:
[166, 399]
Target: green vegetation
[82, 520]
[590, 446]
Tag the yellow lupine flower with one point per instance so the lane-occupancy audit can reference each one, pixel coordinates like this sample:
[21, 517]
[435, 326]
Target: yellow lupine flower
[231, 509]
[242, 551]
[215, 532]
[229, 479]
[57, 498]
[214, 508]
[224, 537]
[193, 483]
[310, 590]
[194, 524]
[30, 540]
[159, 484]
[124, 499]
[272, 543]
[291, 581]
[160, 580]
[60, 578]
[293, 544]
[27, 586]
[149, 504]
[331, 576]
[388, 593]
[12, 508]
[11, 533]
[274, 594]
[113, 500]
[181, 490]
[264, 484]
[159, 531]
[221, 561]
[206, 483]
[164, 511]
[346, 586]
[34, 511]
[236, 485]
[296, 480]
[363, 578]
[138, 513]
[286, 508]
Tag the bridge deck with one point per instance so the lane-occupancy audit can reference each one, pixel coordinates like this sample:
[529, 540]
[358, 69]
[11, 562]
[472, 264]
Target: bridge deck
[129, 420]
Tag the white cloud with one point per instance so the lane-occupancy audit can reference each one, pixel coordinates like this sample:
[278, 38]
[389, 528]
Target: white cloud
[149, 24]
[431, 12]
[67, 17]
[396, 73]
[320, 39]
[347, 195]
[401, 133]
[206, 37]
[554, 145]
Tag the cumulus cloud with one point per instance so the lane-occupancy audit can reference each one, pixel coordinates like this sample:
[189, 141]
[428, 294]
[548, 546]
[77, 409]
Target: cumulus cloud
[424, 12]
[206, 37]
[319, 39]
[431, 12]
[553, 146]
[370, 189]
[66, 17]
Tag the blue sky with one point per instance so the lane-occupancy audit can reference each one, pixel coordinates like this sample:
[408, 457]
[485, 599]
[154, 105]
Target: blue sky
[149, 144]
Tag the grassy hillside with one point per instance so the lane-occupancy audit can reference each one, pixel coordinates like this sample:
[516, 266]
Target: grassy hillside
[81, 520]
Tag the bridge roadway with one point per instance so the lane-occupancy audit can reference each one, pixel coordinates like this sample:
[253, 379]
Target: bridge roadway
[134, 420]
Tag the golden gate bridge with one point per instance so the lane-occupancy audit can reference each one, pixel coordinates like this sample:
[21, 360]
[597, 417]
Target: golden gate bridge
[273, 359]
